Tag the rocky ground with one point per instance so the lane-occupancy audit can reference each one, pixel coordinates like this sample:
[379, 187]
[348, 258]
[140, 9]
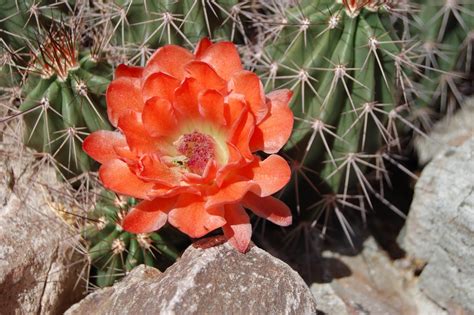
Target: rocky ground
[42, 265]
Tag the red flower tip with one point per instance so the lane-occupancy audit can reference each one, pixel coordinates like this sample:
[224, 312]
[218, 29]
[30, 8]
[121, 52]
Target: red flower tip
[190, 124]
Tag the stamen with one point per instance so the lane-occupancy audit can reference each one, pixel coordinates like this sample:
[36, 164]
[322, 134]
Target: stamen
[198, 148]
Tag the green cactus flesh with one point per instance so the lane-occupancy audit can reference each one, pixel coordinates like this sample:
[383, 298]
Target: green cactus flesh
[445, 30]
[29, 16]
[351, 69]
[20, 24]
[341, 69]
[64, 103]
[113, 251]
[136, 26]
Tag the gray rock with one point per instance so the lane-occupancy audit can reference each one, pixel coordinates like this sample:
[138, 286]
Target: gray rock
[328, 301]
[448, 278]
[372, 286]
[117, 299]
[443, 187]
[440, 228]
[375, 284]
[450, 132]
[39, 263]
[214, 280]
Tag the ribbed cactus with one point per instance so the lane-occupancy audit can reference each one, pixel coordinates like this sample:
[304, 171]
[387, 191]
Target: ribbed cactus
[21, 22]
[135, 27]
[351, 66]
[113, 251]
[445, 33]
[64, 99]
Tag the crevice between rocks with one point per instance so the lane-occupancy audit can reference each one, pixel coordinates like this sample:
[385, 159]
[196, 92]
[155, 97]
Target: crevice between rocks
[54, 258]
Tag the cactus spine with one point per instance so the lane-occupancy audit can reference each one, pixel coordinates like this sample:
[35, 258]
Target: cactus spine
[30, 17]
[136, 27]
[63, 99]
[446, 38]
[113, 251]
[351, 67]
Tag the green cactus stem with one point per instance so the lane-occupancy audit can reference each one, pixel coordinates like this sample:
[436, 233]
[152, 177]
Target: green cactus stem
[64, 100]
[113, 251]
[135, 27]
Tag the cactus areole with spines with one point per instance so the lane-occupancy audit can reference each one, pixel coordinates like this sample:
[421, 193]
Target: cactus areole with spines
[143, 25]
[113, 251]
[63, 100]
[341, 67]
[354, 68]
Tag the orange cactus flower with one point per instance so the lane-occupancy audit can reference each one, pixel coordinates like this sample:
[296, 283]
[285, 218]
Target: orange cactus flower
[189, 124]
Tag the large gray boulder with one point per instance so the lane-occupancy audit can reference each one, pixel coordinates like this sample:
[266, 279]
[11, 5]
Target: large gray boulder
[440, 228]
[213, 280]
[39, 262]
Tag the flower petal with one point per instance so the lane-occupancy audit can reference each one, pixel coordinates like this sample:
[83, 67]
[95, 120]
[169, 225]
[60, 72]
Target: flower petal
[159, 84]
[137, 221]
[234, 162]
[248, 84]
[206, 76]
[125, 154]
[159, 118]
[170, 59]
[234, 109]
[211, 106]
[230, 193]
[148, 215]
[162, 191]
[155, 171]
[241, 134]
[207, 176]
[223, 57]
[123, 95]
[186, 99]
[273, 132]
[128, 71]
[100, 145]
[271, 175]
[238, 229]
[190, 216]
[270, 208]
[138, 138]
[117, 176]
[202, 46]
[157, 204]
